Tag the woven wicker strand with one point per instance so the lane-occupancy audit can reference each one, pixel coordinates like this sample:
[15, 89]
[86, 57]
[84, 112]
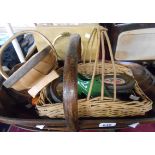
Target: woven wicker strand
[100, 106]
[112, 61]
[103, 66]
[95, 66]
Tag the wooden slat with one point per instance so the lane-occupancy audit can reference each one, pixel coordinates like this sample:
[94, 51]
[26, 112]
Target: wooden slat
[26, 67]
[42, 83]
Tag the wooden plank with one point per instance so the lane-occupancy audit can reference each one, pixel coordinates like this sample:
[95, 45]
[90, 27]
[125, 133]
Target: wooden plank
[42, 83]
[32, 62]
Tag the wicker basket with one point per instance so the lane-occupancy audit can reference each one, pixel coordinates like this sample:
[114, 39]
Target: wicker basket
[100, 106]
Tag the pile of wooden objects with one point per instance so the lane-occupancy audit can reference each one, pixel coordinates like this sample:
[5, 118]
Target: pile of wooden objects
[67, 78]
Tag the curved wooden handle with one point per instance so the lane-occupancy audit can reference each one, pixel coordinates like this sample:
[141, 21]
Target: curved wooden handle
[70, 83]
[15, 36]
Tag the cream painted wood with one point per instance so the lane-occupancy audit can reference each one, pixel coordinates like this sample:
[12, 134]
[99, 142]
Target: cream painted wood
[136, 45]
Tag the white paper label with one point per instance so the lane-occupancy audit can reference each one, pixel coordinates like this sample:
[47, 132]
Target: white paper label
[105, 125]
[135, 98]
[134, 125]
[40, 126]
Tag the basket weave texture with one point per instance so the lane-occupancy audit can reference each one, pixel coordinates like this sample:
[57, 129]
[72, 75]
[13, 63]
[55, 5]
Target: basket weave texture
[100, 106]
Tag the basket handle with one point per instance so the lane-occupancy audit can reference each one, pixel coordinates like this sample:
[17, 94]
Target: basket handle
[102, 32]
[112, 60]
[5, 76]
[70, 82]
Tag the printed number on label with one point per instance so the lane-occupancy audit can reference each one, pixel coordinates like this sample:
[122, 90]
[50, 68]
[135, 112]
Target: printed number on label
[105, 125]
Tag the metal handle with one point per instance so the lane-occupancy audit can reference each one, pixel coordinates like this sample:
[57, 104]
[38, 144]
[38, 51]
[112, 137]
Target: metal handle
[66, 34]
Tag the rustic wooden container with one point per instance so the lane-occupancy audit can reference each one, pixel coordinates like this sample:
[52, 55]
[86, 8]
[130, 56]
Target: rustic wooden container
[34, 69]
